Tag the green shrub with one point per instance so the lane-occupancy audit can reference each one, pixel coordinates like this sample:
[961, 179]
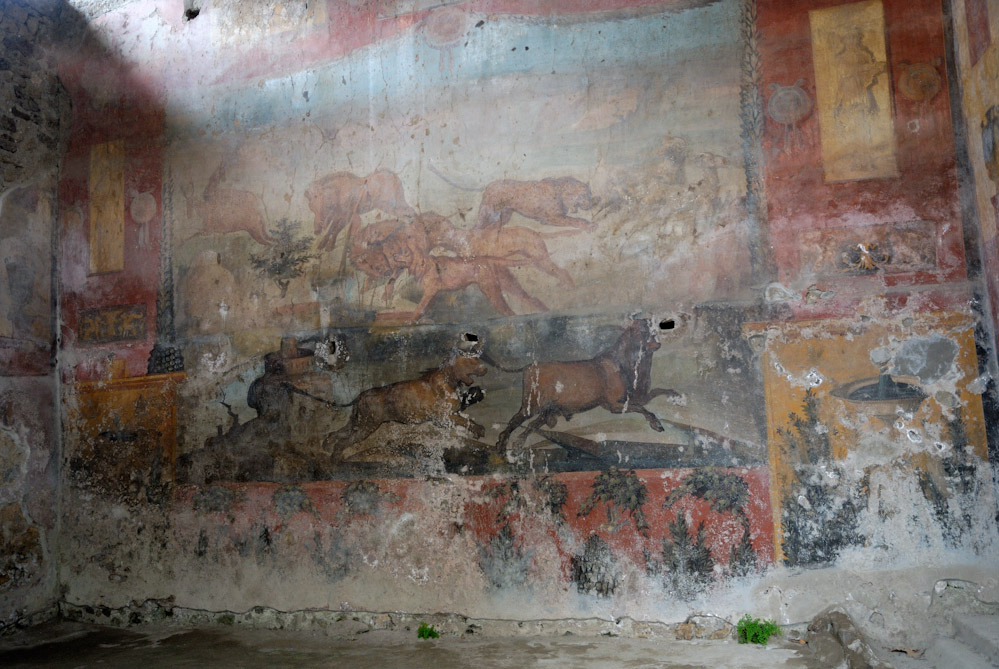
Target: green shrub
[426, 632]
[754, 630]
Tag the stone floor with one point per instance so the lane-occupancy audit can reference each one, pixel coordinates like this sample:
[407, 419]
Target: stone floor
[80, 645]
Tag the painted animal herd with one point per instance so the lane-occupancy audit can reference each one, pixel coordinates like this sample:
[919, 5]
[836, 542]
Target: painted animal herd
[440, 256]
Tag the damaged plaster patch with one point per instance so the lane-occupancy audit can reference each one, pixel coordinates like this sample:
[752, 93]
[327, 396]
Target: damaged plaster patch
[216, 498]
[13, 456]
[21, 555]
[929, 358]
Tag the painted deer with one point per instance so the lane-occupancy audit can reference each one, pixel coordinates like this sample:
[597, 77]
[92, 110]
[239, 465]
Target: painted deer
[221, 211]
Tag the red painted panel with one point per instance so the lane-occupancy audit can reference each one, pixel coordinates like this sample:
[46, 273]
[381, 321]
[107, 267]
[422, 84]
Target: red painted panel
[800, 200]
[489, 504]
[141, 126]
[620, 528]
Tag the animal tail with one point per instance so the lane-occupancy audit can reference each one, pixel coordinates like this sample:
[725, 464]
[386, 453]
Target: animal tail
[561, 233]
[509, 260]
[326, 402]
[448, 181]
[488, 359]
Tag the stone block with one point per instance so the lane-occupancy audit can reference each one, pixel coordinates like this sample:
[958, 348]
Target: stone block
[18, 45]
[50, 143]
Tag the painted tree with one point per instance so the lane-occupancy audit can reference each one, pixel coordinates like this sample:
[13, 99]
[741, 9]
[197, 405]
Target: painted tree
[620, 491]
[724, 493]
[685, 563]
[286, 258]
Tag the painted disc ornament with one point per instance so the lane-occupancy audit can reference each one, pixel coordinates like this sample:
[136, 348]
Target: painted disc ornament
[919, 82]
[789, 104]
[143, 208]
[445, 27]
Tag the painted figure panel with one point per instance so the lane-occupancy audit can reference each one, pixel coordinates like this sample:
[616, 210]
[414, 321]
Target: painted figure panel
[854, 91]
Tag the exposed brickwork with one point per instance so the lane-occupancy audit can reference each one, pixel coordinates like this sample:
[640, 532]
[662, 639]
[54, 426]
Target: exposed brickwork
[35, 105]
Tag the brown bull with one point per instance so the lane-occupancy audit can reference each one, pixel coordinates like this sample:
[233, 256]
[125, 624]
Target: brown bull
[436, 397]
[619, 380]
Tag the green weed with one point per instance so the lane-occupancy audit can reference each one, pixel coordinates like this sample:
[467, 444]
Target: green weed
[426, 631]
[754, 630]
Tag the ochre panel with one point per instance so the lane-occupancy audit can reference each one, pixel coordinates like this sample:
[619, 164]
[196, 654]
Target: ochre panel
[852, 86]
[824, 413]
[125, 429]
[107, 207]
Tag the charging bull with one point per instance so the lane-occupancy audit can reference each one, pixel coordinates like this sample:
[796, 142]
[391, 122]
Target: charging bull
[619, 380]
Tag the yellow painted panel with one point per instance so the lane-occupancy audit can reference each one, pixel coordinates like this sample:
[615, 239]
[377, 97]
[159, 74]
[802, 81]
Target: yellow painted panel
[107, 207]
[853, 91]
[806, 363]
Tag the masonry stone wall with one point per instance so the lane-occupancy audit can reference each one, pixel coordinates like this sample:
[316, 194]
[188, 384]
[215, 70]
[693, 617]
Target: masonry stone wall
[34, 119]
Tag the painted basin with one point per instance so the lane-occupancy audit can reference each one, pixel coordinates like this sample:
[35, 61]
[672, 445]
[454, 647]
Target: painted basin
[882, 396]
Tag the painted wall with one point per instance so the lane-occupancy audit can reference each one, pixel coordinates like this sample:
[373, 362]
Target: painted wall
[976, 24]
[32, 124]
[601, 307]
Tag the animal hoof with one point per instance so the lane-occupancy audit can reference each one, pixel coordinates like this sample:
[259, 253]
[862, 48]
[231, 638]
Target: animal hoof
[657, 426]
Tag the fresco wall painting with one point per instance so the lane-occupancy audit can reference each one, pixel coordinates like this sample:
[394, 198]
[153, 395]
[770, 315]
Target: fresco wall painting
[479, 302]
[915, 183]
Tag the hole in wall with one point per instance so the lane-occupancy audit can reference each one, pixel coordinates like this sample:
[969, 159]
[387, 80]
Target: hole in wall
[192, 8]
[667, 324]
[470, 336]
